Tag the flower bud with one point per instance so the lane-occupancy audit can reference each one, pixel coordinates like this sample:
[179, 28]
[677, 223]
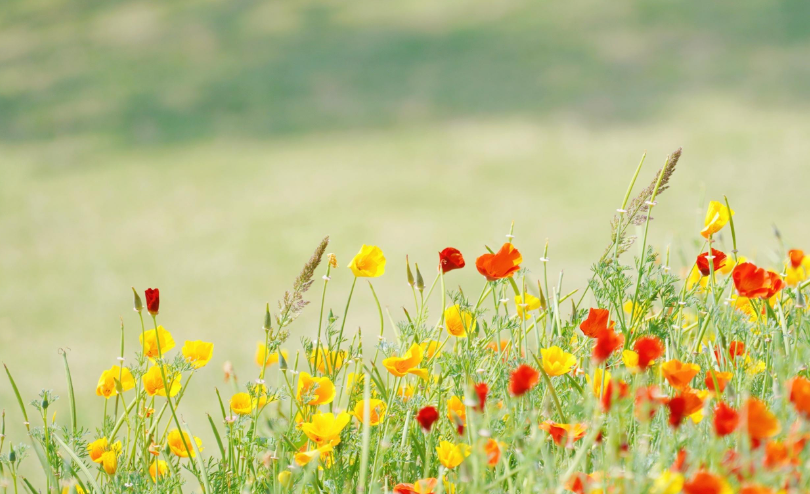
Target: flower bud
[12, 455]
[137, 304]
[268, 319]
[420, 282]
[45, 403]
[410, 275]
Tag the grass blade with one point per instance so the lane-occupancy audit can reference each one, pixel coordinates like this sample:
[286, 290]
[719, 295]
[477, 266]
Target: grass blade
[81, 464]
[217, 436]
[70, 394]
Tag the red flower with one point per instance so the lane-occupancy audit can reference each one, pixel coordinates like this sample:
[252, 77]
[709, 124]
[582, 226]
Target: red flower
[754, 282]
[704, 482]
[623, 391]
[736, 349]
[404, 489]
[450, 259]
[597, 320]
[607, 342]
[502, 264]
[683, 405]
[647, 401]
[726, 419]
[426, 417]
[152, 300]
[648, 349]
[703, 262]
[523, 379]
[796, 257]
[481, 389]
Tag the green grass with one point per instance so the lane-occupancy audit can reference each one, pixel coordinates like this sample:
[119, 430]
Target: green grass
[206, 147]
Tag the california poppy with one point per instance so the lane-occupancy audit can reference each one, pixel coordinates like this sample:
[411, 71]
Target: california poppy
[597, 320]
[481, 390]
[800, 395]
[755, 489]
[502, 264]
[704, 482]
[753, 282]
[564, 434]
[450, 258]
[647, 401]
[720, 378]
[648, 348]
[679, 374]
[726, 419]
[761, 423]
[493, 452]
[607, 342]
[617, 389]
[153, 300]
[719, 260]
[681, 406]
[523, 379]
[717, 215]
[796, 257]
[426, 416]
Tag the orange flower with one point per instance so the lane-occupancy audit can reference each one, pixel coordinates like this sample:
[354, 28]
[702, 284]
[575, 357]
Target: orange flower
[726, 419]
[523, 379]
[502, 264]
[683, 405]
[597, 320]
[617, 389]
[704, 482]
[776, 455]
[679, 374]
[755, 489]
[648, 348]
[760, 422]
[564, 434]
[800, 395]
[796, 257]
[721, 378]
[493, 452]
[754, 282]
[607, 342]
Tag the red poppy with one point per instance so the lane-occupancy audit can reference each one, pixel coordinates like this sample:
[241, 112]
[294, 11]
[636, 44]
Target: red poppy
[726, 419]
[754, 282]
[481, 389]
[152, 300]
[426, 416]
[703, 262]
[502, 264]
[404, 489]
[648, 349]
[450, 259]
[736, 349]
[597, 320]
[620, 389]
[523, 379]
[563, 434]
[704, 482]
[679, 465]
[607, 342]
[681, 406]
[578, 482]
[647, 401]
[800, 395]
[796, 257]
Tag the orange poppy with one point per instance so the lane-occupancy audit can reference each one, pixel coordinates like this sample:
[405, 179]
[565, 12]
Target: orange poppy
[726, 419]
[754, 282]
[493, 452]
[755, 489]
[721, 378]
[502, 264]
[796, 257]
[647, 401]
[450, 259]
[704, 482]
[761, 423]
[800, 395]
[719, 260]
[523, 379]
[564, 434]
[597, 320]
[777, 455]
[679, 374]
[681, 406]
[481, 391]
[648, 348]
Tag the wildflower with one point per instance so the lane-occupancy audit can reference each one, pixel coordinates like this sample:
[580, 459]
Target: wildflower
[376, 411]
[198, 352]
[154, 385]
[756, 489]
[618, 389]
[78, 490]
[493, 452]
[607, 342]
[303, 458]
[761, 423]
[149, 342]
[408, 363]
[800, 395]
[481, 391]
[597, 320]
[753, 282]
[423, 486]
[241, 404]
[450, 259]
[718, 261]
[502, 264]
[152, 300]
[426, 417]
[326, 428]
[331, 259]
[451, 455]
[524, 307]
[721, 378]
[797, 268]
[600, 381]
[648, 348]
[630, 360]
[523, 379]
[368, 263]
[717, 216]
[406, 392]
[679, 374]
[564, 434]
[457, 412]
[668, 482]
[647, 401]
[176, 440]
[106, 383]
[556, 361]
[158, 469]
[97, 448]
[686, 403]
[458, 321]
[429, 348]
[319, 390]
[109, 461]
[704, 482]
[634, 310]
[264, 356]
[325, 360]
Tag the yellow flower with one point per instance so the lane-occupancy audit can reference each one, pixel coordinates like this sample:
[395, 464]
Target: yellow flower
[106, 383]
[376, 411]
[752, 369]
[730, 264]
[197, 352]
[326, 360]
[262, 398]
[451, 455]
[325, 428]
[158, 469]
[78, 490]
[639, 309]
[150, 343]
[268, 358]
[668, 482]
[716, 218]
[285, 478]
[406, 392]
[458, 321]
[794, 276]
[429, 348]
[556, 361]
[153, 382]
[319, 390]
[695, 278]
[241, 404]
[599, 382]
[97, 448]
[408, 363]
[523, 308]
[355, 380]
[109, 461]
[368, 263]
[176, 440]
[307, 456]
[697, 417]
[456, 411]
[630, 359]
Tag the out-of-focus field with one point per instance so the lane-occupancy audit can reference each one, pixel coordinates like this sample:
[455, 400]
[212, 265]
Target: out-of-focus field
[204, 147]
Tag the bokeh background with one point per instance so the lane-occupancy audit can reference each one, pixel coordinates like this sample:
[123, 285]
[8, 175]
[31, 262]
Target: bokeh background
[205, 147]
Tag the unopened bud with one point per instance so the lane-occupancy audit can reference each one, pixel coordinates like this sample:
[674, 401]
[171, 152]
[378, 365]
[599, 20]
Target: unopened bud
[420, 282]
[137, 303]
[268, 319]
[410, 275]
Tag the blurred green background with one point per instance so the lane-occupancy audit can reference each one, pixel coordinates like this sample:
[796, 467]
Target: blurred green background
[204, 147]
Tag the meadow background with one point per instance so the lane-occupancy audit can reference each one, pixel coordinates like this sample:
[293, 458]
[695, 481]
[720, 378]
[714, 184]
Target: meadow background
[205, 147]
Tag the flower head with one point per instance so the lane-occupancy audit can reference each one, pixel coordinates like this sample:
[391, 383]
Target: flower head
[717, 216]
[557, 361]
[408, 363]
[198, 352]
[720, 378]
[106, 383]
[686, 403]
[524, 307]
[648, 348]
[726, 419]
[426, 417]
[325, 428]
[450, 258]
[152, 300]
[718, 261]
[493, 451]
[153, 381]
[317, 390]
[564, 434]
[241, 404]
[376, 411]
[158, 469]
[176, 440]
[760, 422]
[481, 391]
[800, 395]
[679, 374]
[502, 264]
[753, 282]
[303, 458]
[597, 320]
[325, 360]
[457, 412]
[451, 455]
[704, 482]
[264, 356]
[607, 342]
[368, 263]
[97, 448]
[458, 321]
[149, 342]
[523, 379]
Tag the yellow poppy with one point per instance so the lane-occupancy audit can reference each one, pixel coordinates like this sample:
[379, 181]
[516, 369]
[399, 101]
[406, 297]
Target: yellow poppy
[456, 411]
[175, 441]
[368, 263]
[376, 411]
[668, 482]
[451, 455]
[458, 321]
[319, 390]
[599, 383]
[198, 352]
[326, 360]
[153, 382]
[269, 358]
[557, 361]
[158, 469]
[630, 359]
[149, 342]
[523, 308]
[325, 428]
[406, 392]
[408, 363]
[97, 448]
[717, 215]
[429, 348]
[106, 383]
[241, 404]
[109, 461]
[305, 457]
